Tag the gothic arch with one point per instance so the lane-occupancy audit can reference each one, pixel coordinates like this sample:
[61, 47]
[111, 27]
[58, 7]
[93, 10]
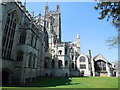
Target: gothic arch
[60, 63]
[19, 51]
[16, 13]
[82, 59]
[53, 63]
[30, 54]
[22, 31]
[20, 54]
[85, 57]
[60, 52]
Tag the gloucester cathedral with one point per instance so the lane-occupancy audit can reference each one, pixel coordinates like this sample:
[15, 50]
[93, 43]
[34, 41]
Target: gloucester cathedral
[32, 47]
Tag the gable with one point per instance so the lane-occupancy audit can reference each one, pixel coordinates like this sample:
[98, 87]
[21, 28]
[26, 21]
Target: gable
[83, 56]
[100, 57]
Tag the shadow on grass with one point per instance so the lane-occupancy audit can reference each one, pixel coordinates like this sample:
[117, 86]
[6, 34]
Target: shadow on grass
[47, 82]
[53, 85]
[50, 82]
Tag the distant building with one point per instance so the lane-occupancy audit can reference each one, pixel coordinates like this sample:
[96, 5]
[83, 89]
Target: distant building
[101, 67]
[115, 69]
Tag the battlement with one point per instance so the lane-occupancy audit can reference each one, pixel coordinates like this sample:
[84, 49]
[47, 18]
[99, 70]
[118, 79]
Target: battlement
[23, 8]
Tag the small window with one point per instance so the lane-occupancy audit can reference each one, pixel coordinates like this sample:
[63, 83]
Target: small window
[35, 42]
[45, 64]
[30, 60]
[72, 57]
[60, 63]
[20, 56]
[72, 65]
[22, 38]
[34, 61]
[82, 59]
[31, 40]
[53, 63]
[82, 66]
[114, 65]
[75, 58]
[60, 52]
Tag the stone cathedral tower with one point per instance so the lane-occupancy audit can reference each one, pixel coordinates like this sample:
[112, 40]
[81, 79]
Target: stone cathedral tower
[54, 24]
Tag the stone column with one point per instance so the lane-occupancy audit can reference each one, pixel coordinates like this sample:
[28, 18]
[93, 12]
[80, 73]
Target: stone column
[93, 68]
[108, 70]
[23, 69]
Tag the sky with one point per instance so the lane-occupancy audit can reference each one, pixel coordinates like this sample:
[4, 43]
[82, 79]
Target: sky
[81, 18]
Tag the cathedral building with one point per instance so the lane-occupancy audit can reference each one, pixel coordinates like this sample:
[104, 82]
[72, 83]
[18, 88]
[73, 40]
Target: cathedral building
[32, 48]
[22, 45]
[65, 58]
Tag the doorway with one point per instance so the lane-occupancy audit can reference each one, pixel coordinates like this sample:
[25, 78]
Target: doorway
[66, 75]
[115, 74]
[5, 78]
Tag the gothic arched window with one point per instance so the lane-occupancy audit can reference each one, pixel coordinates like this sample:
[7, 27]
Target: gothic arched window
[45, 64]
[66, 63]
[36, 42]
[8, 34]
[32, 38]
[60, 63]
[34, 61]
[30, 59]
[72, 57]
[82, 59]
[60, 52]
[72, 65]
[53, 63]
[22, 38]
[20, 56]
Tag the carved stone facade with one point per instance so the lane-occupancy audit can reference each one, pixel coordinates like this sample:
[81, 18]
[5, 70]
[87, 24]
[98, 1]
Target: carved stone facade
[22, 45]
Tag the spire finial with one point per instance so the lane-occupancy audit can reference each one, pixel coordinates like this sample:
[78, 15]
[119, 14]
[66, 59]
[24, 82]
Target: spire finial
[33, 14]
[58, 7]
[25, 3]
[46, 7]
[78, 36]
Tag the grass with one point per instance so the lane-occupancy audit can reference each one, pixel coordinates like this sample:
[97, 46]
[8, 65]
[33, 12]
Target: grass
[77, 82]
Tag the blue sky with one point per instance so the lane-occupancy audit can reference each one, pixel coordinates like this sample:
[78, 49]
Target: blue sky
[81, 18]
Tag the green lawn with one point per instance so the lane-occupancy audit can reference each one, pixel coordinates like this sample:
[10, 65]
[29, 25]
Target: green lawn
[77, 82]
